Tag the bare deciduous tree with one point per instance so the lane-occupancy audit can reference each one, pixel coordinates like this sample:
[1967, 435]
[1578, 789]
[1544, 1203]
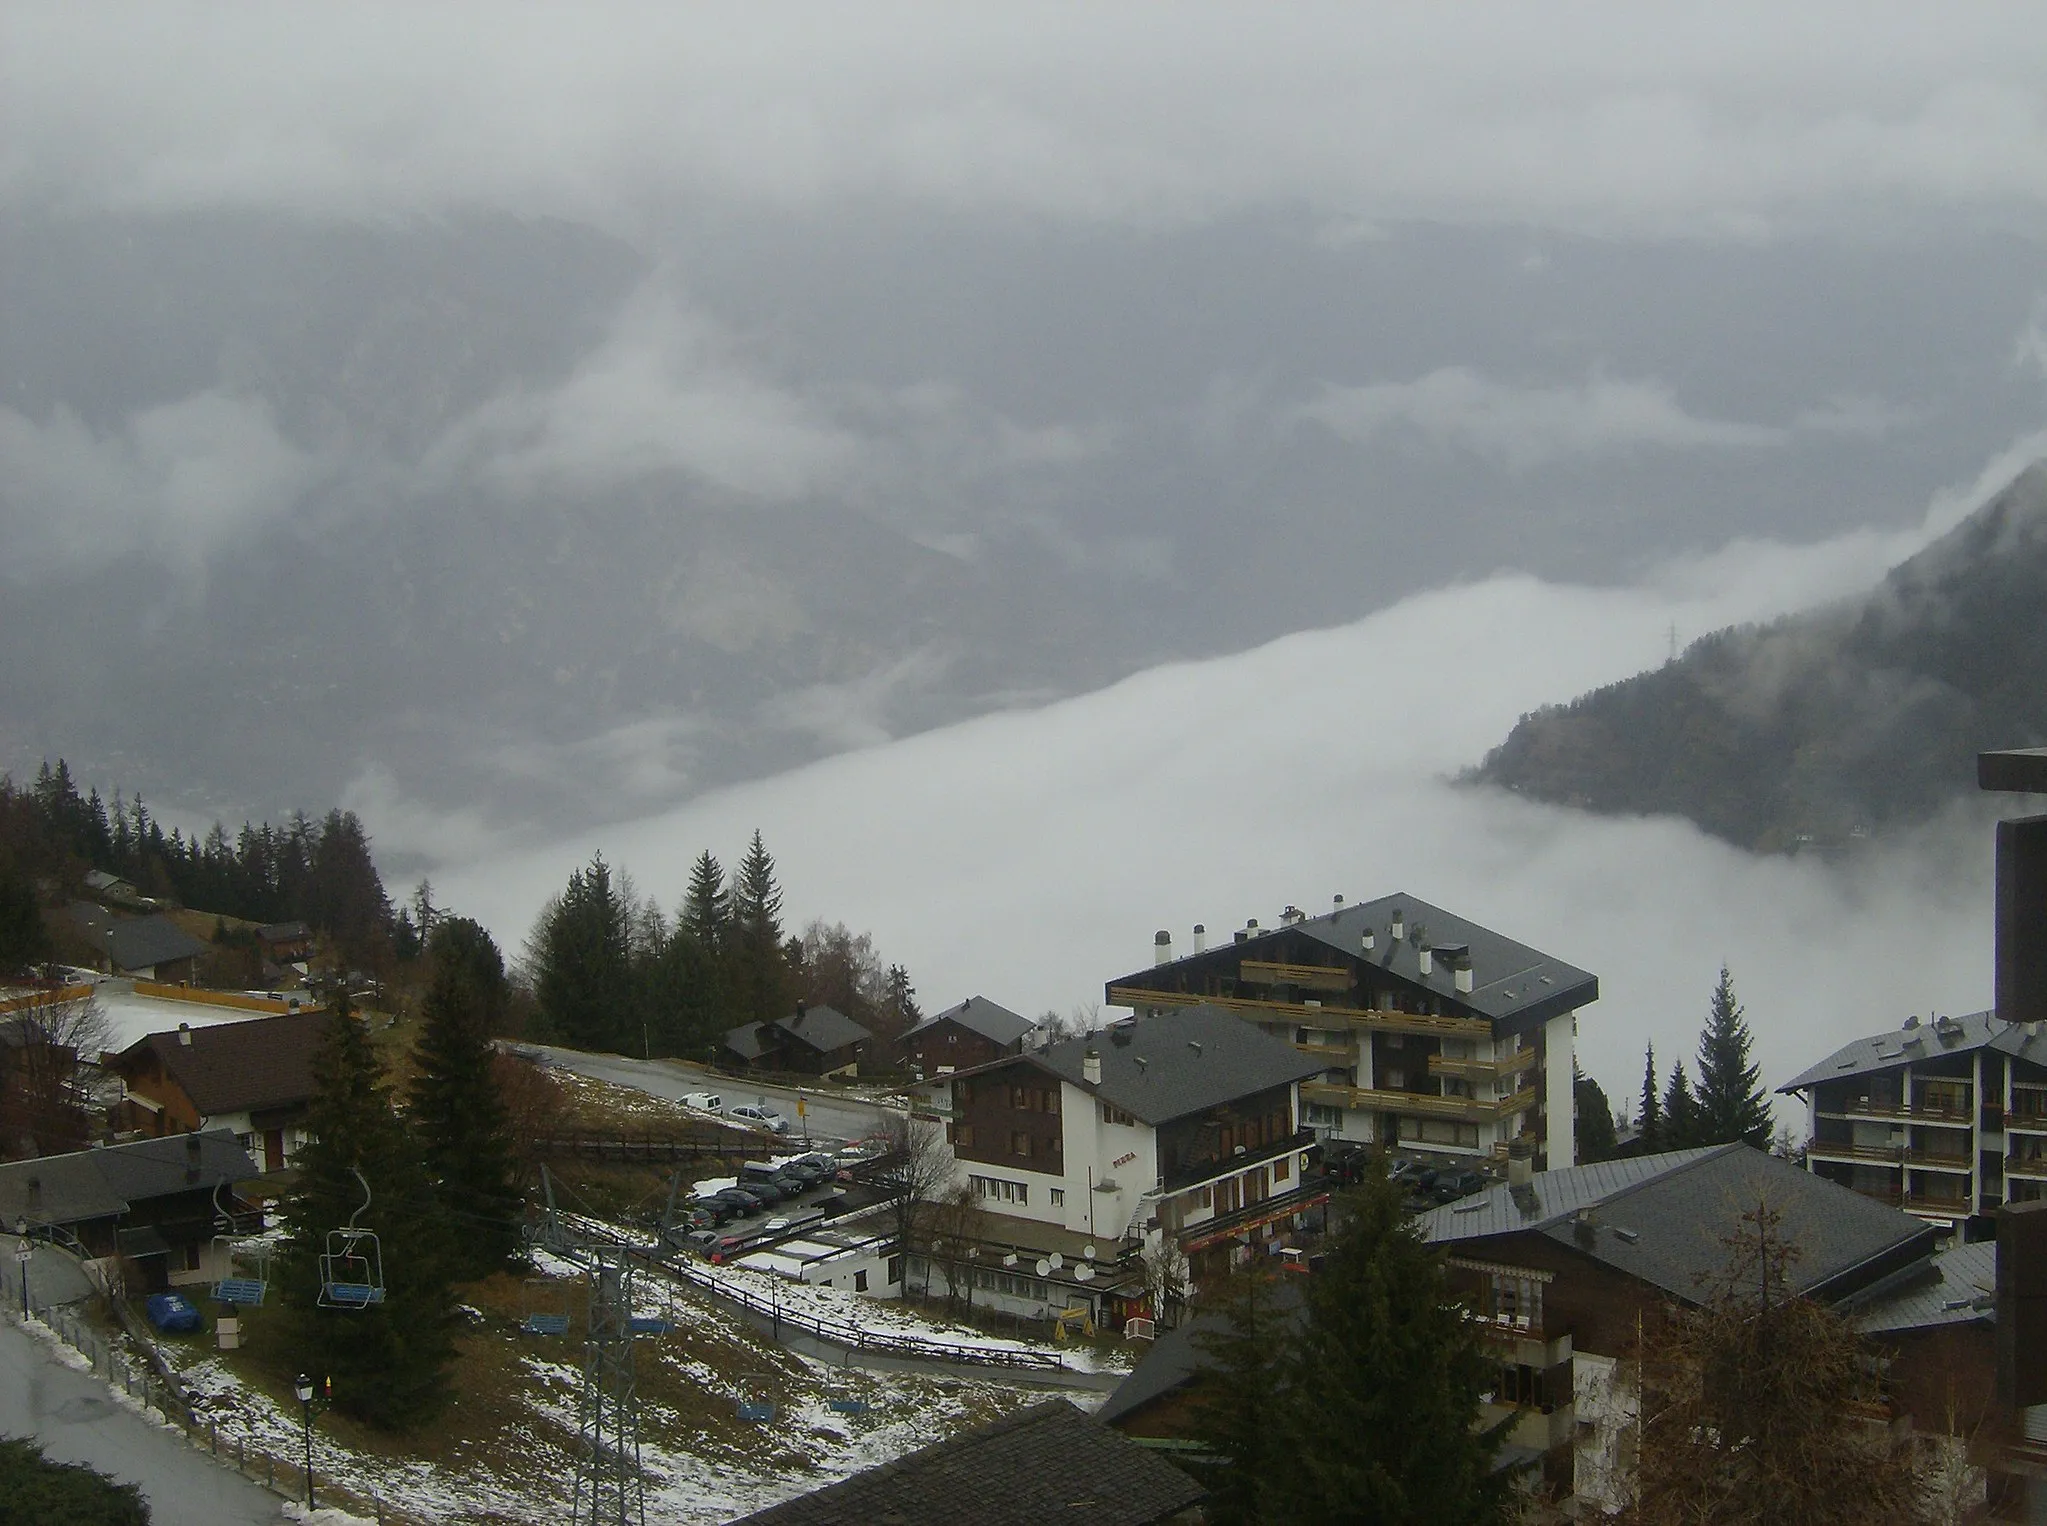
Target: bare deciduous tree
[1165, 1281]
[918, 1169]
[50, 1050]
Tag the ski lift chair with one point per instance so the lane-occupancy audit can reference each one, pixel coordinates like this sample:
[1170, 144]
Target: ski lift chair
[545, 1307]
[662, 1323]
[240, 1291]
[754, 1404]
[352, 1270]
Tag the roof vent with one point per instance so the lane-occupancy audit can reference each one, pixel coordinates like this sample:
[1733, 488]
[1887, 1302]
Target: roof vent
[1628, 1235]
[1425, 960]
[1465, 977]
[1399, 928]
[1200, 937]
[1912, 1022]
[1369, 940]
[1339, 900]
[185, 1034]
[1251, 926]
[1162, 947]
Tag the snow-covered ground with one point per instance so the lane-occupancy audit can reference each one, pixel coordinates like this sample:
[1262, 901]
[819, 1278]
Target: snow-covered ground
[130, 1016]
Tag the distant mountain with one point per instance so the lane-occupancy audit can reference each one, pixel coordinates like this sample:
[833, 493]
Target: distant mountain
[1827, 724]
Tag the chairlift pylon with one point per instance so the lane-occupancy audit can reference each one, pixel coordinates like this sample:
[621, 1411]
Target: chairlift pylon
[352, 1270]
[231, 1289]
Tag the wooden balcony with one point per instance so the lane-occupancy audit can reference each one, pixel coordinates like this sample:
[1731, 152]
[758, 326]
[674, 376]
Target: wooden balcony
[2031, 1167]
[1336, 1054]
[1482, 1070]
[1419, 1104]
[1963, 1117]
[1861, 1155]
[2026, 1122]
[1300, 1013]
[1305, 977]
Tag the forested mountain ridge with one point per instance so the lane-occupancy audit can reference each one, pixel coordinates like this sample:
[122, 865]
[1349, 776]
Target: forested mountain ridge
[1847, 719]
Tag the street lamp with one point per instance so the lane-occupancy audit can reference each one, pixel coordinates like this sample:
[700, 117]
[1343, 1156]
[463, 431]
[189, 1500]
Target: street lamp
[304, 1389]
[21, 1255]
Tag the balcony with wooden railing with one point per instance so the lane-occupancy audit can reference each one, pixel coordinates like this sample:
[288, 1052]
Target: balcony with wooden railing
[1318, 1015]
[2027, 1113]
[2031, 1167]
[1335, 1054]
[1862, 1155]
[1419, 1104]
[1482, 1070]
[1303, 977]
[1938, 1116]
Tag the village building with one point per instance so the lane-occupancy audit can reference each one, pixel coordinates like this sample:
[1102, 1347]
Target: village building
[285, 942]
[253, 1079]
[140, 948]
[1046, 1463]
[811, 1041]
[1431, 1033]
[976, 1032]
[1083, 1156]
[152, 1206]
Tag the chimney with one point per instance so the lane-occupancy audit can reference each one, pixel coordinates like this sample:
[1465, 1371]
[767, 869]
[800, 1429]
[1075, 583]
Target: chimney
[1425, 959]
[2022, 1305]
[185, 1034]
[1464, 976]
[1251, 927]
[1339, 900]
[1369, 940]
[1161, 947]
[1520, 1162]
[1200, 937]
[1399, 929]
[1242, 935]
[1091, 1067]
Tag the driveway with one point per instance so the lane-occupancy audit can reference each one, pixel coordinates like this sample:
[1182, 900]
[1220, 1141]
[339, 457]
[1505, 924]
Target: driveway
[828, 1115]
[76, 1419]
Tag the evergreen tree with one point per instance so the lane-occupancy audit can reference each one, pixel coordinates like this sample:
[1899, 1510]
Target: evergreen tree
[23, 938]
[582, 959]
[1596, 1139]
[1649, 1111]
[457, 1113]
[1680, 1111]
[1240, 1397]
[758, 966]
[389, 1361]
[1386, 1382]
[1731, 1105]
[706, 913]
[899, 1001]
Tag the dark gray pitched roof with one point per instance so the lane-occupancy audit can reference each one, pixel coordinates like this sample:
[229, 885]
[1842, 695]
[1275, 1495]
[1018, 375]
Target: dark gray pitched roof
[228, 1067]
[1175, 1357]
[1511, 982]
[1045, 1463]
[823, 1028]
[1924, 1041]
[745, 1040]
[977, 1014]
[1665, 1219]
[99, 1183]
[145, 941]
[1956, 1287]
[1165, 1067]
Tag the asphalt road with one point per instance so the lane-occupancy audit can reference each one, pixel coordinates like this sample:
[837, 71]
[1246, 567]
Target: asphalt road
[828, 1116]
[76, 1419]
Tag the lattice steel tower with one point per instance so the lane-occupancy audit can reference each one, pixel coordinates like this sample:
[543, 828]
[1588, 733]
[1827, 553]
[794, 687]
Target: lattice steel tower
[608, 1485]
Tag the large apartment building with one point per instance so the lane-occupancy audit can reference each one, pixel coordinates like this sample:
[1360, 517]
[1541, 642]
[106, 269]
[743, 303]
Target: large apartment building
[1432, 1033]
[1946, 1119]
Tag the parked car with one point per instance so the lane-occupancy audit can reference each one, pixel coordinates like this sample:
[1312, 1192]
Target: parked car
[1452, 1185]
[745, 1203]
[804, 1171]
[761, 1117]
[709, 1102]
[704, 1241]
[827, 1167]
[769, 1193]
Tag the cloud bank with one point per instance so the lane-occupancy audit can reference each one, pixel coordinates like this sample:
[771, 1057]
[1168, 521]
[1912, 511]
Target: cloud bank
[1029, 856]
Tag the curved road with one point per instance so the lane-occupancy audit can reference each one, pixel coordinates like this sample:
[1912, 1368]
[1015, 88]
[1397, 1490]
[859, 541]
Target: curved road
[76, 1419]
[829, 1115]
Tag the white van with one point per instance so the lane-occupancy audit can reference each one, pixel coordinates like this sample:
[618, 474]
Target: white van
[709, 1102]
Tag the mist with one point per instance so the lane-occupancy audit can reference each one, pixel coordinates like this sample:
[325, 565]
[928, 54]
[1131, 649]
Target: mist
[1029, 856]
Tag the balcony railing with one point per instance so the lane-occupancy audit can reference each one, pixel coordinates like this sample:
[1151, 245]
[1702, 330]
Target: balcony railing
[2026, 1122]
[1419, 1104]
[1310, 977]
[2032, 1167]
[1868, 1155]
[1930, 1160]
[1315, 1016]
[1337, 1053]
[1482, 1070]
[1904, 1112]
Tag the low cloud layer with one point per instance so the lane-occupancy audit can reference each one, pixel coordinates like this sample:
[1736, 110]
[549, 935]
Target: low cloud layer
[1030, 856]
[1721, 121]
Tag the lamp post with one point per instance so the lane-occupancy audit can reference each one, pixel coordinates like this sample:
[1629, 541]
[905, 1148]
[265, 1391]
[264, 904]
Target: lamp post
[304, 1389]
[21, 1255]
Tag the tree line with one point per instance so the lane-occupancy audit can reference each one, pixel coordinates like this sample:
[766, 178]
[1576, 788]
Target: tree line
[608, 970]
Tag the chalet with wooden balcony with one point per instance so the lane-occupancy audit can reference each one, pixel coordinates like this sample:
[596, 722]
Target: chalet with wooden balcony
[975, 1032]
[1565, 1269]
[1430, 1032]
[1945, 1119]
[1187, 1126]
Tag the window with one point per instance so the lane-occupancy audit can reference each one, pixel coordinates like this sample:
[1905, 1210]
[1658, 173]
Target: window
[1513, 1301]
[963, 1135]
[1020, 1143]
[1052, 1101]
[1228, 1196]
[895, 1268]
[996, 1190]
[1058, 1197]
[859, 1282]
[962, 1093]
[1282, 1168]
[1199, 1198]
[1116, 1115]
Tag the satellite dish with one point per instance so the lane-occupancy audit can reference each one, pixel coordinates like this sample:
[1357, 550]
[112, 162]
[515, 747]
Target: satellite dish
[1057, 1260]
[1084, 1273]
[1088, 1251]
[1044, 1266]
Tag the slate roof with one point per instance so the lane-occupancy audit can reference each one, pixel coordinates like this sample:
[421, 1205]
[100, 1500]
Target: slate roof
[1160, 1068]
[1175, 1357]
[1511, 982]
[1045, 1463]
[142, 942]
[228, 1067]
[101, 1183]
[1956, 1287]
[284, 932]
[977, 1014]
[1664, 1219]
[745, 1040]
[1925, 1041]
[823, 1028]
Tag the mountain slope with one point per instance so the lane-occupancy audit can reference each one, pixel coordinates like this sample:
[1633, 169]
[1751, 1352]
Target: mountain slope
[1860, 715]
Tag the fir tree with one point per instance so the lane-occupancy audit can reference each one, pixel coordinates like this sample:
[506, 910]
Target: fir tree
[1731, 1105]
[389, 1361]
[1595, 1129]
[1649, 1111]
[706, 913]
[1386, 1382]
[1680, 1111]
[758, 965]
[457, 1112]
[1240, 1395]
[582, 961]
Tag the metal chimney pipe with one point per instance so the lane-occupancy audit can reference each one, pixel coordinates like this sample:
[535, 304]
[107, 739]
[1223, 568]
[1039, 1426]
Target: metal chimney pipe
[1162, 947]
[1200, 937]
